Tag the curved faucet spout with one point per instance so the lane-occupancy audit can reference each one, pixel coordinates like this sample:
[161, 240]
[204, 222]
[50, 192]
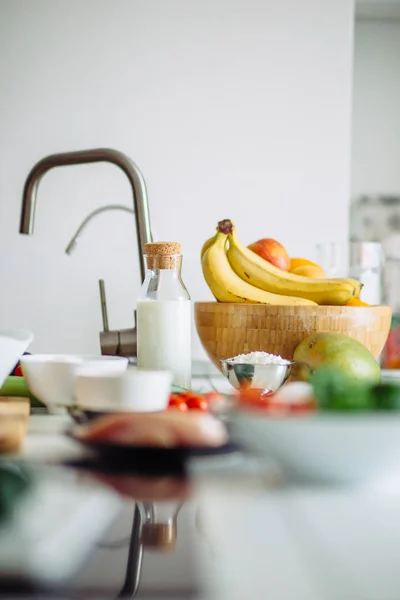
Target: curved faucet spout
[131, 170]
[72, 243]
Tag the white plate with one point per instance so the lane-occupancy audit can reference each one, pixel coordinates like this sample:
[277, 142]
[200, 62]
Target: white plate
[325, 448]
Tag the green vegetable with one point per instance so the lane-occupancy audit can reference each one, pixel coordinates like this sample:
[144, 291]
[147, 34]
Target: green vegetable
[177, 389]
[17, 386]
[386, 396]
[334, 390]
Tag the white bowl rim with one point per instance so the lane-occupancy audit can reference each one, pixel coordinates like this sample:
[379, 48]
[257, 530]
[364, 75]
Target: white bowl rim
[332, 417]
[231, 361]
[52, 358]
[71, 358]
[128, 374]
[101, 357]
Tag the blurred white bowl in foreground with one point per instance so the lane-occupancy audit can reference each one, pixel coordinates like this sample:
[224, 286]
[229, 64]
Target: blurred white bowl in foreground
[325, 448]
[51, 377]
[136, 390]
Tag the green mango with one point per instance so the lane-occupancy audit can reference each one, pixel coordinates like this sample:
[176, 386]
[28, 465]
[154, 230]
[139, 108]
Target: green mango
[335, 350]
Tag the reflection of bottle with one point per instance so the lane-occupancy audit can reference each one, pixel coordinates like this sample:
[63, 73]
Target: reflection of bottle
[164, 314]
[159, 528]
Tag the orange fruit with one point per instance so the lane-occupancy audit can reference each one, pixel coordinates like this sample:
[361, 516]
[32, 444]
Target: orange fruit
[300, 262]
[313, 271]
[356, 302]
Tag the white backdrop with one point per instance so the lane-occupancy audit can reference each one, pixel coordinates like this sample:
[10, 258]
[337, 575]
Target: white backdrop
[237, 109]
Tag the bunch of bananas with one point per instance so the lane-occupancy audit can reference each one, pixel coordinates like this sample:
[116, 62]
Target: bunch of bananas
[236, 274]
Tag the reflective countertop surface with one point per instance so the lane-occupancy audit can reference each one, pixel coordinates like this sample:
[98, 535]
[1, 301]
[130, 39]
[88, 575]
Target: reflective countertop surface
[241, 531]
[86, 531]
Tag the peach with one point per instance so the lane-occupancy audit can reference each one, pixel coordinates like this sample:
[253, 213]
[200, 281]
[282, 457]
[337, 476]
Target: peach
[273, 252]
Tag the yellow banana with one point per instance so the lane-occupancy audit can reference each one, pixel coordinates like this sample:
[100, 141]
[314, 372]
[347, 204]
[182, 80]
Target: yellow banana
[206, 245]
[299, 262]
[357, 285]
[212, 239]
[260, 273]
[228, 287]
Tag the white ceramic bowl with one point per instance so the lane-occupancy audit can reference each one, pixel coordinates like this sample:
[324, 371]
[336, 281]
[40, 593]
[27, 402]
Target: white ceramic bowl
[13, 343]
[51, 377]
[325, 448]
[134, 391]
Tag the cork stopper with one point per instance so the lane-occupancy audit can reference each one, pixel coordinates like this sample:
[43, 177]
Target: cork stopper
[162, 255]
[159, 535]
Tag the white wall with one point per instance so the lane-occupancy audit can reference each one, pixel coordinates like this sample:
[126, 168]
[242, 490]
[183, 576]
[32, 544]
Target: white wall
[233, 108]
[376, 108]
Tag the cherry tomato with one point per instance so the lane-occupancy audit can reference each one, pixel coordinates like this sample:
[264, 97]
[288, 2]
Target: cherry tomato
[175, 399]
[197, 403]
[177, 402]
[181, 407]
[18, 371]
[255, 399]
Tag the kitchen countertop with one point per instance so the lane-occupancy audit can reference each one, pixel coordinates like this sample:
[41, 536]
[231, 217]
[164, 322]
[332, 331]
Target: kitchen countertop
[257, 536]
[184, 573]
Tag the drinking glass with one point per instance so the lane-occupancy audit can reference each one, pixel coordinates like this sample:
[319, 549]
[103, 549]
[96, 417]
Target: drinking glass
[359, 260]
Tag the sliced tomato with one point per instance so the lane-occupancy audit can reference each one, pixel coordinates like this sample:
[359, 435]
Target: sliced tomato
[258, 400]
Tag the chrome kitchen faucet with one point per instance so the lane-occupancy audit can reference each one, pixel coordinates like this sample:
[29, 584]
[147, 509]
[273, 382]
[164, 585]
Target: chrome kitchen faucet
[111, 342]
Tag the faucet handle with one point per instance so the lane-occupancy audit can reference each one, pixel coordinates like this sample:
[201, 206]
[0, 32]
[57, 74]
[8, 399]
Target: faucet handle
[103, 302]
[115, 343]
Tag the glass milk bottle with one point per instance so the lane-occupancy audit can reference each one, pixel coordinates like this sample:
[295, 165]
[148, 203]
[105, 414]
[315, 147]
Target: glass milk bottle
[164, 314]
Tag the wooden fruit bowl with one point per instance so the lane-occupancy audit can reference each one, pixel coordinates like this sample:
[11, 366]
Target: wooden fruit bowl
[226, 330]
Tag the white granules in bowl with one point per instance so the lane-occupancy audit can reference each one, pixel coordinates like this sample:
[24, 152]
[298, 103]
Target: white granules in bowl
[259, 358]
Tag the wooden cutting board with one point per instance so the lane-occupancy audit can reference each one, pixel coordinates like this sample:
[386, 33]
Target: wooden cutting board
[14, 416]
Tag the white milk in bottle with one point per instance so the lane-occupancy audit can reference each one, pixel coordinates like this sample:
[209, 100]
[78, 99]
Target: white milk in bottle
[164, 314]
